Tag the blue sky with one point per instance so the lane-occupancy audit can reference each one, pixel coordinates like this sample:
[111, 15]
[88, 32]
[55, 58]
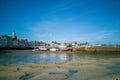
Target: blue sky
[94, 21]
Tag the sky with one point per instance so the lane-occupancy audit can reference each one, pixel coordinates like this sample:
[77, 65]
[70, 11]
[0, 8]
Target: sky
[93, 21]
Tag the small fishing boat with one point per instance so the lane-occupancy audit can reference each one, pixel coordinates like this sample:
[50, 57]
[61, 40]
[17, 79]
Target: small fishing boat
[54, 49]
[35, 49]
[66, 50]
[43, 49]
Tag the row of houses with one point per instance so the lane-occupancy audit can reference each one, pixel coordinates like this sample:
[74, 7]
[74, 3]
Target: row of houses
[13, 42]
[70, 44]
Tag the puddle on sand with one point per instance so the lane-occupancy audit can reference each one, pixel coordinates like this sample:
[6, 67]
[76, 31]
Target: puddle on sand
[114, 68]
[71, 73]
[54, 73]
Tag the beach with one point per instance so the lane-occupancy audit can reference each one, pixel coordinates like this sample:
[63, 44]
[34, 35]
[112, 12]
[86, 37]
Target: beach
[74, 70]
[91, 67]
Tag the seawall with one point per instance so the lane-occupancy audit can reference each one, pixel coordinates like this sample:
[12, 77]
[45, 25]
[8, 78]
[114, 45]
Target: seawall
[96, 48]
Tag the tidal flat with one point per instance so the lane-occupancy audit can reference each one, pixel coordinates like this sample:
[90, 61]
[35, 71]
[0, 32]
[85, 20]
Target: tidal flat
[59, 66]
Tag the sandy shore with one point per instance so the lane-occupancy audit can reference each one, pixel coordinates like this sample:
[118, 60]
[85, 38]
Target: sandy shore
[95, 69]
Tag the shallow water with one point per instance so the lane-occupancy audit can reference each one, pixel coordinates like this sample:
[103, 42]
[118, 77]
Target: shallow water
[11, 58]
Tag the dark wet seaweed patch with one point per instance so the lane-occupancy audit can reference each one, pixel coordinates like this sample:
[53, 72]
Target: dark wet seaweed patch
[2, 78]
[26, 77]
[70, 74]
[117, 64]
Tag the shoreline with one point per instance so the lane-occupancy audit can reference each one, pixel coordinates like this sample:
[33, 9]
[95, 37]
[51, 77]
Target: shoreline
[27, 51]
[76, 50]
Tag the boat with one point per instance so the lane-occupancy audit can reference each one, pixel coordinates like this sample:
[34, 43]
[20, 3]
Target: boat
[66, 50]
[43, 49]
[35, 49]
[54, 49]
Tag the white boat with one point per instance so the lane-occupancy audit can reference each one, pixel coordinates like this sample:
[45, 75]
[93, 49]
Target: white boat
[35, 49]
[54, 49]
[43, 49]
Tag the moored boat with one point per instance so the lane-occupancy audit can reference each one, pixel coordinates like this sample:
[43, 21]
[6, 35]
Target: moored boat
[66, 50]
[43, 49]
[54, 49]
[35, 49]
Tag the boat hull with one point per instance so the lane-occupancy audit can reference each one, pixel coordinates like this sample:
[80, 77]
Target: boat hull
[66, 50]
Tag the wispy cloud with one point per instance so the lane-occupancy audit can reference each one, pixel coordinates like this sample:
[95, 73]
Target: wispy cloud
[99, 37]
[41, 30]
[46, 31]
[67, 4]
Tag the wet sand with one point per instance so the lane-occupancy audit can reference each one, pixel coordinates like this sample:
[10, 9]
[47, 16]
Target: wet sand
[93, 69]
